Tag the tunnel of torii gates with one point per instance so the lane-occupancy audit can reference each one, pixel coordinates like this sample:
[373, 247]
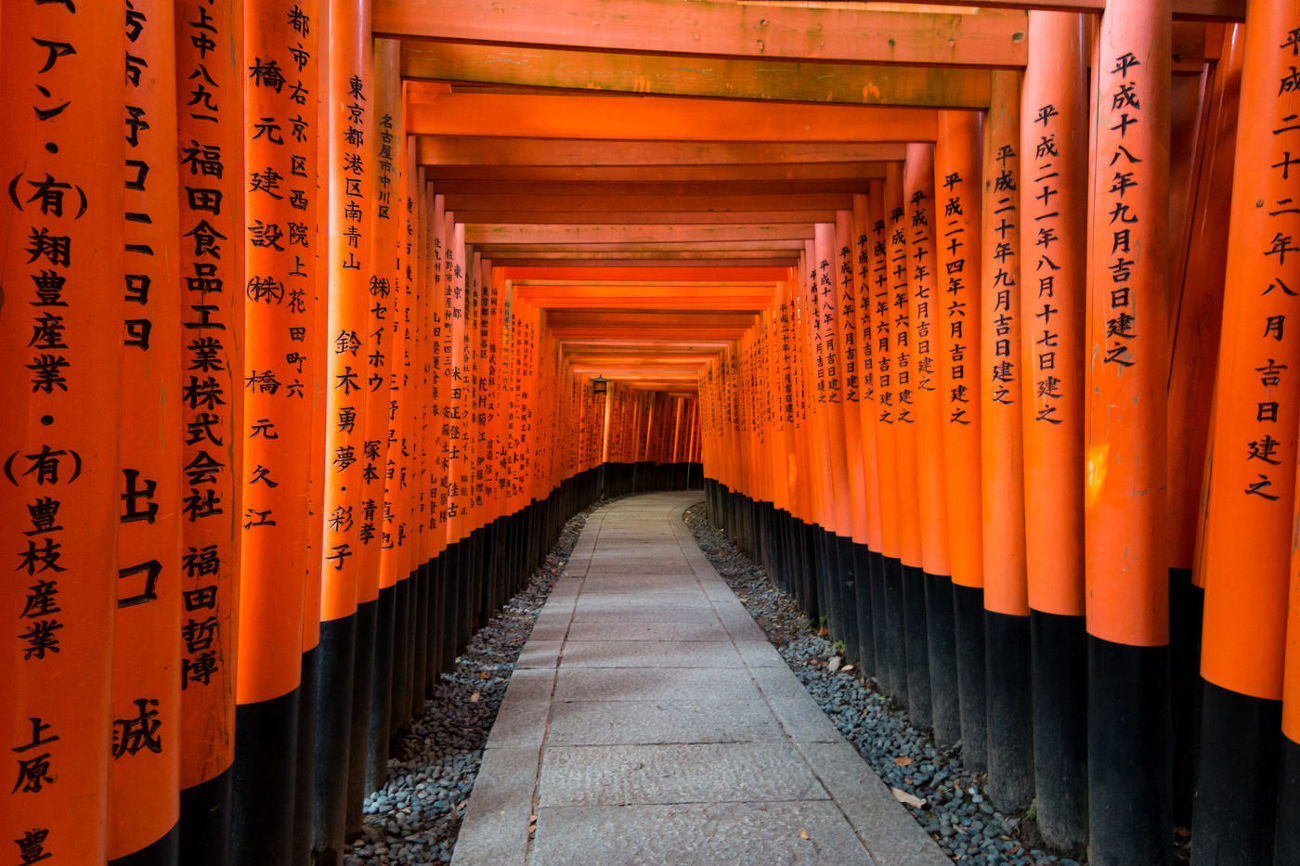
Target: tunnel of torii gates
[321, 320]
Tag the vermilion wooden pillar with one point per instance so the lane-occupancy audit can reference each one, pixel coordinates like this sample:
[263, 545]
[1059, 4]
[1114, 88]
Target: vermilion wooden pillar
[1054, 206]
[1129, 766]
[1002, 380]
[283, 351]
[957, 180]
[1250, 488]
[903, 369]
[63, 270]
[925, 307]
[210, 123]
[146, 751]
[882, 199]
[349, 106]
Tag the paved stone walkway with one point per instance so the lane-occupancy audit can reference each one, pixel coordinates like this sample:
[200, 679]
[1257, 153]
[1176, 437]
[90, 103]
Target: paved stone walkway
[649, 721]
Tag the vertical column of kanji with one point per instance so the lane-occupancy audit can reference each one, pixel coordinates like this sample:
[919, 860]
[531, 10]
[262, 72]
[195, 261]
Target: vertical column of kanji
[396, 563]
[1006, 619]
[378, 474]
[925, 309]
[145, 771]
[830, 398]
[419, 410]
[363, 134]
[210, 124]
[821, 495]
[349, 128]
[1287, 841]
[280, 238]
[911, 586]
[318, 472]
[455, 615]
[61, 272]
[849, 335]
[1250, 488]
[441, 595]
[1053, 199]
[957, 186]
[1127, 579]
[882, 198]
[869, 561]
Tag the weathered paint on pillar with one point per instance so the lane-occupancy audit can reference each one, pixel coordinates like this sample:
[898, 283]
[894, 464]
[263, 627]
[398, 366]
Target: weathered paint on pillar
[1054, 206]
[147, 739]
[1250, 484]
[1129, 767]
[213, 180]
[62, 360]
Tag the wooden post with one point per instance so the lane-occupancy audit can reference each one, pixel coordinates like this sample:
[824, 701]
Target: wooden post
[349, 106]
[62, 360]
[210, 122]
[1129, 770]
[957, 185]
[144, 776]
[1054, 207]
[1250, 486]
[1006, 622]
[280, 241]
[925, 307]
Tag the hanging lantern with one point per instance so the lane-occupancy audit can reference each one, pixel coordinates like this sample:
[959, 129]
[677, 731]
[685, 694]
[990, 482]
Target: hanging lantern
[599, 385]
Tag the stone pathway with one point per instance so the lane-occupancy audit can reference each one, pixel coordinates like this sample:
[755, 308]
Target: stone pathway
[649, 721]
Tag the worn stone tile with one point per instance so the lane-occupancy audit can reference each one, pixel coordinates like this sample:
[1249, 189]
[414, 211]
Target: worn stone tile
[697, 773]
[734, 834]
[612, 629]
[760, 654]
[539, 654]
[651, 684]
[495, 829]
[641, 654]
[883, 824]
[602, 723]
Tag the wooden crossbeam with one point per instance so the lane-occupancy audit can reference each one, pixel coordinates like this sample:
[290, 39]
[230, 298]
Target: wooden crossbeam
[595, 217]
[656, 118]
[845, 173]
[511, 151]
[717, 29]
[535, 204]
[737, 78]
[518, 234]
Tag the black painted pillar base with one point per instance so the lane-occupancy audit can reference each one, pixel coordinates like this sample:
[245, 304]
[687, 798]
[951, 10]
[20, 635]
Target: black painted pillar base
[895, 632]
[865, 586]
[305, 764]
[334, 685]
[206, 810]
[968, 628]
[1237, 779]
[1010, 711]
[1130, 762]
[381, 690]
[363, 674]
[1059, 649]
[1186, 615]
[1286, 841]
[942, 640]
[917, 648]
[846, 563]
[265, 781]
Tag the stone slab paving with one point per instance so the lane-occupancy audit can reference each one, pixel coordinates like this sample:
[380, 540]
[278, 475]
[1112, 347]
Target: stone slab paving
[648, 721]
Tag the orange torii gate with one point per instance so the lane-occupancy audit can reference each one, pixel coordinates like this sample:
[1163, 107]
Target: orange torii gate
[957, 402]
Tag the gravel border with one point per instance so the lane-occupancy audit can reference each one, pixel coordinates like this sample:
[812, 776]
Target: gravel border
[954, 810]
[415, 817]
